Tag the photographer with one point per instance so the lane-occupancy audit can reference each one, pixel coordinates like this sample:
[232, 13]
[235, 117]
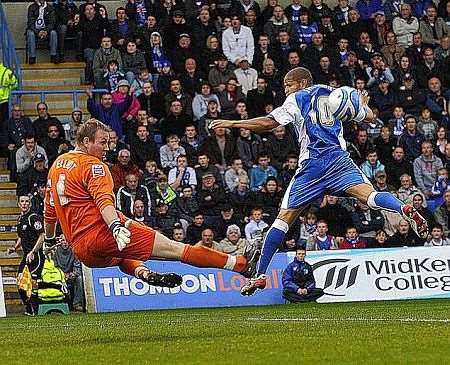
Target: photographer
[299, 285]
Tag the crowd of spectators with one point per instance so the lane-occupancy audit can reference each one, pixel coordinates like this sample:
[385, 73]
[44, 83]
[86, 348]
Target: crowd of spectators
[172, 67]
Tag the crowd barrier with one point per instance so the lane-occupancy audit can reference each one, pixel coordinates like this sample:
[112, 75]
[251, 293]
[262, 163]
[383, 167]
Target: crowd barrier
[345, 275]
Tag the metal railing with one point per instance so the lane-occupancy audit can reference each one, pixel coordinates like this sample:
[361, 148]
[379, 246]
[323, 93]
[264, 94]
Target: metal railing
[8, 48]
[17, 94]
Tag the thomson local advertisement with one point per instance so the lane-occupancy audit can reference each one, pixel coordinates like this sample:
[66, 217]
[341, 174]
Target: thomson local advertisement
[108, 289]
[381, 274]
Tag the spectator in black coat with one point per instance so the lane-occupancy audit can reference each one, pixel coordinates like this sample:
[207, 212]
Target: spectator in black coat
[33, 176]
[249, 146]
[404, 236]
[122, 28]
[428, 67]
[269, 197]
[410, 97]
[385, 144]
[211, 147]
[211, 198]
[359, 148]
[55, 144]
[143, 148]
[367, 221]
[165, 218]
[259, 98]
[337, 217]
[398, 166]
[195, 229]
[151, 102]
[176, 121]
[384, 99]
[41, 123]
[227, 218]
[279, 146]
[128, 194]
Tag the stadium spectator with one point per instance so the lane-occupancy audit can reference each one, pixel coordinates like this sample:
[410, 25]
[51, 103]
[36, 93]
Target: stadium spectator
[425, 169]
[55, 144]
[220, 74]
[37, 197]
[18, 127]
[76, 119]
[211, 55]
[336, 216]
[372, 165]
[227, 218]
[410, 97]
[427, 68]
[178, 234]
[385, 144]
[397, 123]
[411, 139]
[442, 214]
[108, 112]
[165, 218]
[255, 227]
[133, 61]
[203, 27]
[234, 173]
[241, 198]
[186, 206]
[367, 221]
[113, 75]
[405, 25]
[26, 154]
[269, 197]
[320, 239]
[102, 56]
[221, 148]
[380, 183]
[407, 190]
[70, 265]
[233, 244]
[41, 25]
[288, 171]
[191, 77]
[129, 193]
[352, 240]
[201, 100]
[41, 123]
[195, 229]
[404, 236]
[437, 100]
[398, 166]
[237, 41]
[299, 285]
[259, 98]
[260, 173]
[207, 239]
[177, 118]
[245, 75]
[181, 53]
[440, 186]
[279, 146]
[429, 128]
[170, 151]
[121, 29]
[420, 204]
[384, 99]
[229, 97]
[431, 27]
[67, 16]
[359, 147]
[33, 176]
[151, 102]
[249, 146]
[140, 215]
[391, 51]
[380, 240]
[437, 237]
[182, 175]
[143, 148]
[163, 191]
[122, 168]
[211, 198]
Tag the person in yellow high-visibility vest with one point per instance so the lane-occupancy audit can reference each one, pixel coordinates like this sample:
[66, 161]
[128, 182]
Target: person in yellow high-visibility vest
[8, 82]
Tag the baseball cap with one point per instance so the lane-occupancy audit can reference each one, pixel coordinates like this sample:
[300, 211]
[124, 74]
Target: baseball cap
[222, 57]
[39, 157]
[376, 54]
[379, 12]
[123, 83]
[208, 174]
[184, 35]
[380, 173]
[178, 13]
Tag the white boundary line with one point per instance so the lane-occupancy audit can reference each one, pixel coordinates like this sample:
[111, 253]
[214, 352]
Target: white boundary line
[349, 319]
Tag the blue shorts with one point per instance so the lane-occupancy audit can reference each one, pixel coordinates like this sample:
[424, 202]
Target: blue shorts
[333, 174]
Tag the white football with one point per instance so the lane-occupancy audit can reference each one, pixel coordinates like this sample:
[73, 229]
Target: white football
[344, 103]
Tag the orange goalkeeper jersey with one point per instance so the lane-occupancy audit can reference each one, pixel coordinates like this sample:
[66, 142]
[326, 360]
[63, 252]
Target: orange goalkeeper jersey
[79, 187]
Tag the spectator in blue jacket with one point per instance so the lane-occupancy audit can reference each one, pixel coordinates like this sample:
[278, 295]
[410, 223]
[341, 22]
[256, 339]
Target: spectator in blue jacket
[107, 112]
[299, 285]
[368, 8]
[260, 173]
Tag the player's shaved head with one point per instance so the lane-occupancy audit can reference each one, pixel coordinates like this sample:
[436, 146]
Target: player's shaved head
[297, 79]
[89, 129]
[298, 74]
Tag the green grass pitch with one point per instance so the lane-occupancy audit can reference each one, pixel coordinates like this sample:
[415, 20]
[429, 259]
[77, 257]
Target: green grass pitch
[401, 332]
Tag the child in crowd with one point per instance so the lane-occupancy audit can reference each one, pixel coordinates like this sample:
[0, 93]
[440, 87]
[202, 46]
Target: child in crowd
[308, 227]
[138, 83]
[320, 240]
[427, 126]
[374, 127]
[113, 75]
[440, 186]
[255, 227]
[351, 240]
[437, 237]
[397, 123]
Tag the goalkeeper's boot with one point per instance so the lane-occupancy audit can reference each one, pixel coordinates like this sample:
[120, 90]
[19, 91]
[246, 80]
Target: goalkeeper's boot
[252, 253]
[416, 221]
[167, 280]
[253, 284]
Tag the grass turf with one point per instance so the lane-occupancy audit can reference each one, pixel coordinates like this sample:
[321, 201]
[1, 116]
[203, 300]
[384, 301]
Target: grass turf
[374, 333]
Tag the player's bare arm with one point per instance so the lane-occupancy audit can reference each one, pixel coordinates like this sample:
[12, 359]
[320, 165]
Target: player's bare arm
[257, 125]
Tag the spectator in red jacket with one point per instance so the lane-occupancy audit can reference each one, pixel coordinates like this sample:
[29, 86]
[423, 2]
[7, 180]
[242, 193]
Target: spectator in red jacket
[352, 240]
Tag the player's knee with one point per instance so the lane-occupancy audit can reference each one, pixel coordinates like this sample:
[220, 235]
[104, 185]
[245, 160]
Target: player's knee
[287, 216]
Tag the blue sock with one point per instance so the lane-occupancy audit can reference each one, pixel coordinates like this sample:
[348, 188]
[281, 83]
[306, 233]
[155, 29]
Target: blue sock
[384, 200]
[272, 241]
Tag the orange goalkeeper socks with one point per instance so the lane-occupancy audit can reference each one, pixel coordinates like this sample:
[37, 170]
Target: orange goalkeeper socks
[129, 266]
[202, 256]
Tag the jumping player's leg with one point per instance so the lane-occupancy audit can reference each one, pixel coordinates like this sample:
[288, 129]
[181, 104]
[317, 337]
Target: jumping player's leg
[199, 256]
[366, 194]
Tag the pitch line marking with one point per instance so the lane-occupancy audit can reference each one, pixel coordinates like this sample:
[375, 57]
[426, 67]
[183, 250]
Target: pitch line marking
[350, 319]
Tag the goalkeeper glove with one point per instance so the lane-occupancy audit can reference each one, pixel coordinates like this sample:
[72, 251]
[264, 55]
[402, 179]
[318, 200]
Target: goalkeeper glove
[121, 233]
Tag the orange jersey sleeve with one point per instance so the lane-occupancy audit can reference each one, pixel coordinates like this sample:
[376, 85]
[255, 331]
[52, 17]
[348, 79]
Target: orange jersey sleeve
[80, 186]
